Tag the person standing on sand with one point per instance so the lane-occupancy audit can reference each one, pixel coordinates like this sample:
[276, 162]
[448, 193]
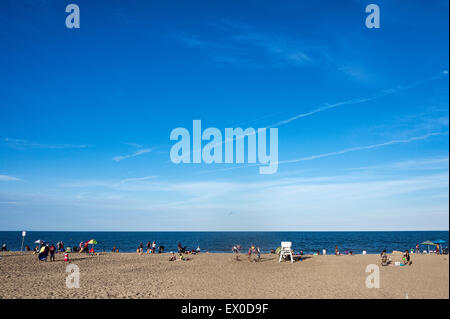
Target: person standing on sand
[52, 250]
[438, 249]
[417, 249]
[236, 251]
[153, 247]
[336, 250]
[148, 247]
[251, 251]
[258, 254]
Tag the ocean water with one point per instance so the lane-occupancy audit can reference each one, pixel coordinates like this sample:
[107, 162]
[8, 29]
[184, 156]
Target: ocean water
[308, 242]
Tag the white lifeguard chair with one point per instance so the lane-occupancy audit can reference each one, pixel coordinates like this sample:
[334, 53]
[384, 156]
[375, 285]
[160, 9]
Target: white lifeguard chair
[286, 250]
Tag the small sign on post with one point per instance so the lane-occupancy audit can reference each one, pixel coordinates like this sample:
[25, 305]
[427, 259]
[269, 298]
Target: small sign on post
[23, 237]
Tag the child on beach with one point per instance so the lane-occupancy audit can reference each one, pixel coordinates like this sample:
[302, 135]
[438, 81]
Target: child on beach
[406, 258]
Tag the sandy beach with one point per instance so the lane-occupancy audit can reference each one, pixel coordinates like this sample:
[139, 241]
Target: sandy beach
[129, 275]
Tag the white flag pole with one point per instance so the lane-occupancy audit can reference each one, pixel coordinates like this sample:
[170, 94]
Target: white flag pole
[23, 237]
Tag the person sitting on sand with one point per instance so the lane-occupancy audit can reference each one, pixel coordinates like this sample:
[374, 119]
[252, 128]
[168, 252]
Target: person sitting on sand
[160, 249]
[406, 258]
[182, 258]
[173, 258]
[385, 261]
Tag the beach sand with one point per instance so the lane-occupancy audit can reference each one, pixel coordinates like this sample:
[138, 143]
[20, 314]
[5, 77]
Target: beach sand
[129, 275]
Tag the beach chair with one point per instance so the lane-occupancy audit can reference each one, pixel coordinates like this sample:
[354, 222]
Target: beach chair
[286, 250]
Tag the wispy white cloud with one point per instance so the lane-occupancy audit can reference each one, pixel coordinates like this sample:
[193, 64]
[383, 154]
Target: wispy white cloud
[305, 202]
[430, 124]
[136, 145]
[367, 147]
[243, 45]
[343, 151]
[7, 178]
[384, 93]
[137, 153]
[414, 164]
[117, 184]
[24, 144]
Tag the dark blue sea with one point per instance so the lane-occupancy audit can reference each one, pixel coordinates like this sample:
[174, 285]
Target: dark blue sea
[308, 242]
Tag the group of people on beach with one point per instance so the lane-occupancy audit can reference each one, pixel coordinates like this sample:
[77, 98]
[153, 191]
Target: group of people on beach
[386, 261]
[151, 248]
[44, 250]
[253, 253]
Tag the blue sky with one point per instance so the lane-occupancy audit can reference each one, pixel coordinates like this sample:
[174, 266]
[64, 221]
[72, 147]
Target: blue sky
[86, 114]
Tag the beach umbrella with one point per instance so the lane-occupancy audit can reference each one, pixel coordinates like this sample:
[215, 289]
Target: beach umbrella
[440, 242]
[428, 243]
[92, 242]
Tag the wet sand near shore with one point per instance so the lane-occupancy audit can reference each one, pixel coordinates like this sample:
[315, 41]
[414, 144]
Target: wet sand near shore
[208, 275]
